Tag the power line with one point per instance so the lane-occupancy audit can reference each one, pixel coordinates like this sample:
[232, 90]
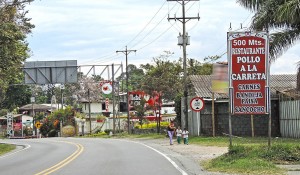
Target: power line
[112, 55]
[146, 24]
[152, 28]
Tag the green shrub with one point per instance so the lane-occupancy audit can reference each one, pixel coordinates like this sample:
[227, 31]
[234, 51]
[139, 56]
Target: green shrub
[152, 125]
[280, 153]
[244, 159]
[52, 133]
[107, 131]
[238, 151]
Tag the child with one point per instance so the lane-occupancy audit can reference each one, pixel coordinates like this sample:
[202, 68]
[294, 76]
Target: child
[178, 134]
[185, 135]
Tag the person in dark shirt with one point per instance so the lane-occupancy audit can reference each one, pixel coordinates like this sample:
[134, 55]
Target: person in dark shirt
[171, 130]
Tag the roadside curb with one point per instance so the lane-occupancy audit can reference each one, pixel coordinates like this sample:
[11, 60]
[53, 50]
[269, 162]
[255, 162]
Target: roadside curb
[290, 167]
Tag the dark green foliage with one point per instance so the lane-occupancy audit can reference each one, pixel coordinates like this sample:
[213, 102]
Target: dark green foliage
[14, 27]
[52, 122]
[16, 96]
[280, 17]
[52, 133]
[278, 153]
[107, 131]
[178, 108]
[281, 153]
[45, 128]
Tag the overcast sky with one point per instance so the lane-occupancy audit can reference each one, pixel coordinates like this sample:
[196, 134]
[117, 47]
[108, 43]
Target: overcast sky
[92, 31]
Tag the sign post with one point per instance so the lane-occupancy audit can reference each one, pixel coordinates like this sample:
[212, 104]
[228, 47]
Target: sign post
[248, 61]
[197, 104]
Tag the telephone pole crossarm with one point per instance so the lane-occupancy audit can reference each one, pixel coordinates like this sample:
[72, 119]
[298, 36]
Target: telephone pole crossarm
[127, 52]
[186, 18]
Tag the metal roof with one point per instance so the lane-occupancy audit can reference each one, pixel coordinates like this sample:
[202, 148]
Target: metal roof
[35, 107]
[202, 85]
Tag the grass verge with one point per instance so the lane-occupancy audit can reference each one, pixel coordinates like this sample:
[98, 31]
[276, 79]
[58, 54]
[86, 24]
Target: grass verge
[5, 148]
[252, 156]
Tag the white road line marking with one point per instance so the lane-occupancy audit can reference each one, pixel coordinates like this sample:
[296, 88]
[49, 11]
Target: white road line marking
[164, 155]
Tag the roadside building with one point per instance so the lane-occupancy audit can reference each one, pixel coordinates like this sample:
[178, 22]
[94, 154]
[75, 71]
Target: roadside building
[201, 123]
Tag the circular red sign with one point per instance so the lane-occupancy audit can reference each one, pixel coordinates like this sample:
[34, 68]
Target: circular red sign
[197, 104]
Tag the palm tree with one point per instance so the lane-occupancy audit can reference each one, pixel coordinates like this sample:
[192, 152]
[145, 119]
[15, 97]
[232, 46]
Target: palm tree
[282, 17]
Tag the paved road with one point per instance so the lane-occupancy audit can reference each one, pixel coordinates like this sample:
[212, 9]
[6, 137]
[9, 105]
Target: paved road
[76, 156]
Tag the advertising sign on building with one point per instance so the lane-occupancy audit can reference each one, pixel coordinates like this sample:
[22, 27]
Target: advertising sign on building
[248, 72]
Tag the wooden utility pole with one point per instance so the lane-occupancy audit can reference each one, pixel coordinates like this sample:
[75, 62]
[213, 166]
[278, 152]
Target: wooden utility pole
[90, 111]
[213, 114]
[183, 20]
[127, 52]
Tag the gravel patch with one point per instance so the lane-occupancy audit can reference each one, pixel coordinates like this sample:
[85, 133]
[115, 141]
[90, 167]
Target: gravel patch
[188, 157]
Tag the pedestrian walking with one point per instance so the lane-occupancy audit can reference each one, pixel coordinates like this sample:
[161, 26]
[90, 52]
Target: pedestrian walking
[185, 135]
[171, 130]
[178, 134]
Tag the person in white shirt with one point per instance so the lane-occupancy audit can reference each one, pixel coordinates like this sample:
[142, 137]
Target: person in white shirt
[178, 134]
[185, 135]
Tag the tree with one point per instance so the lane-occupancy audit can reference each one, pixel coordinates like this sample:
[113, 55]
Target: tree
[141, 110]
[16, 95]
[135, 76]
[80, 90]
[280, 16]
[163, 76]
[14, 27]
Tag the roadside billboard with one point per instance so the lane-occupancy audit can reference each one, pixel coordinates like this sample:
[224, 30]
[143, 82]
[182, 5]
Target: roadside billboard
[248, 61]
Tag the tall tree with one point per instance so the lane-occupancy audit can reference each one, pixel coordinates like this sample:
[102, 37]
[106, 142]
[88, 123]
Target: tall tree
[80, 90]
[17, 94]
[135, 76]
[14, 26]
[163, 76]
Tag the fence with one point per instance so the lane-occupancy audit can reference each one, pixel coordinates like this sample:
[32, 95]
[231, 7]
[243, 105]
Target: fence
[289, 119]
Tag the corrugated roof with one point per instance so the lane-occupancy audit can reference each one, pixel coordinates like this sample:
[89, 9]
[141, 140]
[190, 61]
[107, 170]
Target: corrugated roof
[202, 85]
[35, 107]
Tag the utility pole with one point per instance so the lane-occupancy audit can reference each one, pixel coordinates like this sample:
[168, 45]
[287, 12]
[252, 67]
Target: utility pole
[185, 38]
[90, 111]
[127, 52]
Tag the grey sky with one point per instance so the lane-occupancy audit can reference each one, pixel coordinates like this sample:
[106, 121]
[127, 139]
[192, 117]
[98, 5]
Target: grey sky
[92, 31]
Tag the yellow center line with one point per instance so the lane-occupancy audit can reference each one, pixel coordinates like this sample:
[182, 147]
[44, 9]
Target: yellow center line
[66, 161]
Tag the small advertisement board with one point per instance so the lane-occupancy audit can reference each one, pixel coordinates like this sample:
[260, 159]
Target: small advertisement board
[248, 54]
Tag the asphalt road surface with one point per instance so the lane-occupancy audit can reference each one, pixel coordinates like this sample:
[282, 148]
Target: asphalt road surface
[85, 156]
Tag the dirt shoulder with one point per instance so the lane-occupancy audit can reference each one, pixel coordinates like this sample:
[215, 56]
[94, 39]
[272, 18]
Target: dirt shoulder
[186, 156]
[190, 156]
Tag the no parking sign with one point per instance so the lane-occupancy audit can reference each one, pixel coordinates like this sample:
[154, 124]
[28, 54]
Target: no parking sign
[197, 104]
